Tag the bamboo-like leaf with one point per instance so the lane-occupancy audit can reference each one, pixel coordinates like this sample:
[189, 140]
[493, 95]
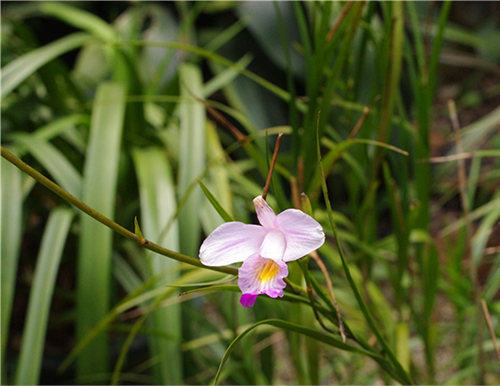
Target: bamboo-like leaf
[54, 161]
[157, 197]
[18, 70]
[192, 155]
[394, 60]
[12, 205]
[54, 238]
[95, 244]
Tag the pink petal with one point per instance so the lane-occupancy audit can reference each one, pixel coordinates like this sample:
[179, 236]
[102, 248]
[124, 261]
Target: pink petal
[248, 300]
[231, 242]
[265, 213]
[274, 245]
[259, 275]
[303, 234]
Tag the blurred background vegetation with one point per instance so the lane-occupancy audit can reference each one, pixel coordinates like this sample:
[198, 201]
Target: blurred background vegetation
[169, 111]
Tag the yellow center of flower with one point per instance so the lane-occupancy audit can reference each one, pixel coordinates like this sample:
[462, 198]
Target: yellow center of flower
[268, 271]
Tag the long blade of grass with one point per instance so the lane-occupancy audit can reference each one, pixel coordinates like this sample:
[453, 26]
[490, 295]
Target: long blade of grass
[18, 70]
[394, 61]
[436, 47]
[400, 230]
[482, 235]
[294, 117]
[63, 126]
[12, 206]
[51, 250]
[217, 206]
[95, 244]
[157, 195]
[225, 77]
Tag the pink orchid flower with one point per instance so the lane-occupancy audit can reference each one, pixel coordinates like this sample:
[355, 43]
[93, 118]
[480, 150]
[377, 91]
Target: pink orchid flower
[264, 249]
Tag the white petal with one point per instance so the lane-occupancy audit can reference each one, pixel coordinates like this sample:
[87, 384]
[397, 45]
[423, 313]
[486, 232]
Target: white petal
[265, 213]
[231, 242]
[303, 234]
[258, 275]
[274, 245]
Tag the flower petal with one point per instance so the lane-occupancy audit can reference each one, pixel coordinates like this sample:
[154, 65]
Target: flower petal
[231, 242]
[274, 245]
[248, 300]
[303, 234]
[265, 213]
[259, 275]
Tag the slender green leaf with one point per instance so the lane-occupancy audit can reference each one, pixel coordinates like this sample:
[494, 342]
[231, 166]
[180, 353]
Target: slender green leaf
[95, 244]
[66, 128]
[192, 155]
[64, 173]
[51, 250]
[18, 70]
[12, 201]
[218, 207]
[125, 274]
[225, 77]
[157, 196]
[481, 237]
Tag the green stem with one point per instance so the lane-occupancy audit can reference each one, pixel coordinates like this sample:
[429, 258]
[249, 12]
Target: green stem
[104, 220]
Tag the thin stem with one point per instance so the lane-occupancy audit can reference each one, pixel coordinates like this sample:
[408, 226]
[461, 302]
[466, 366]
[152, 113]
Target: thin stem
[338, 21]
[103, 219]
[490, 327]
[329, 284]
[362, 119]
[240, 137]
[271, 168]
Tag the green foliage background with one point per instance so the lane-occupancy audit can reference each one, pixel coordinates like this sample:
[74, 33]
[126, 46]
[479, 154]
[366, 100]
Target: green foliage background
[116, 106]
